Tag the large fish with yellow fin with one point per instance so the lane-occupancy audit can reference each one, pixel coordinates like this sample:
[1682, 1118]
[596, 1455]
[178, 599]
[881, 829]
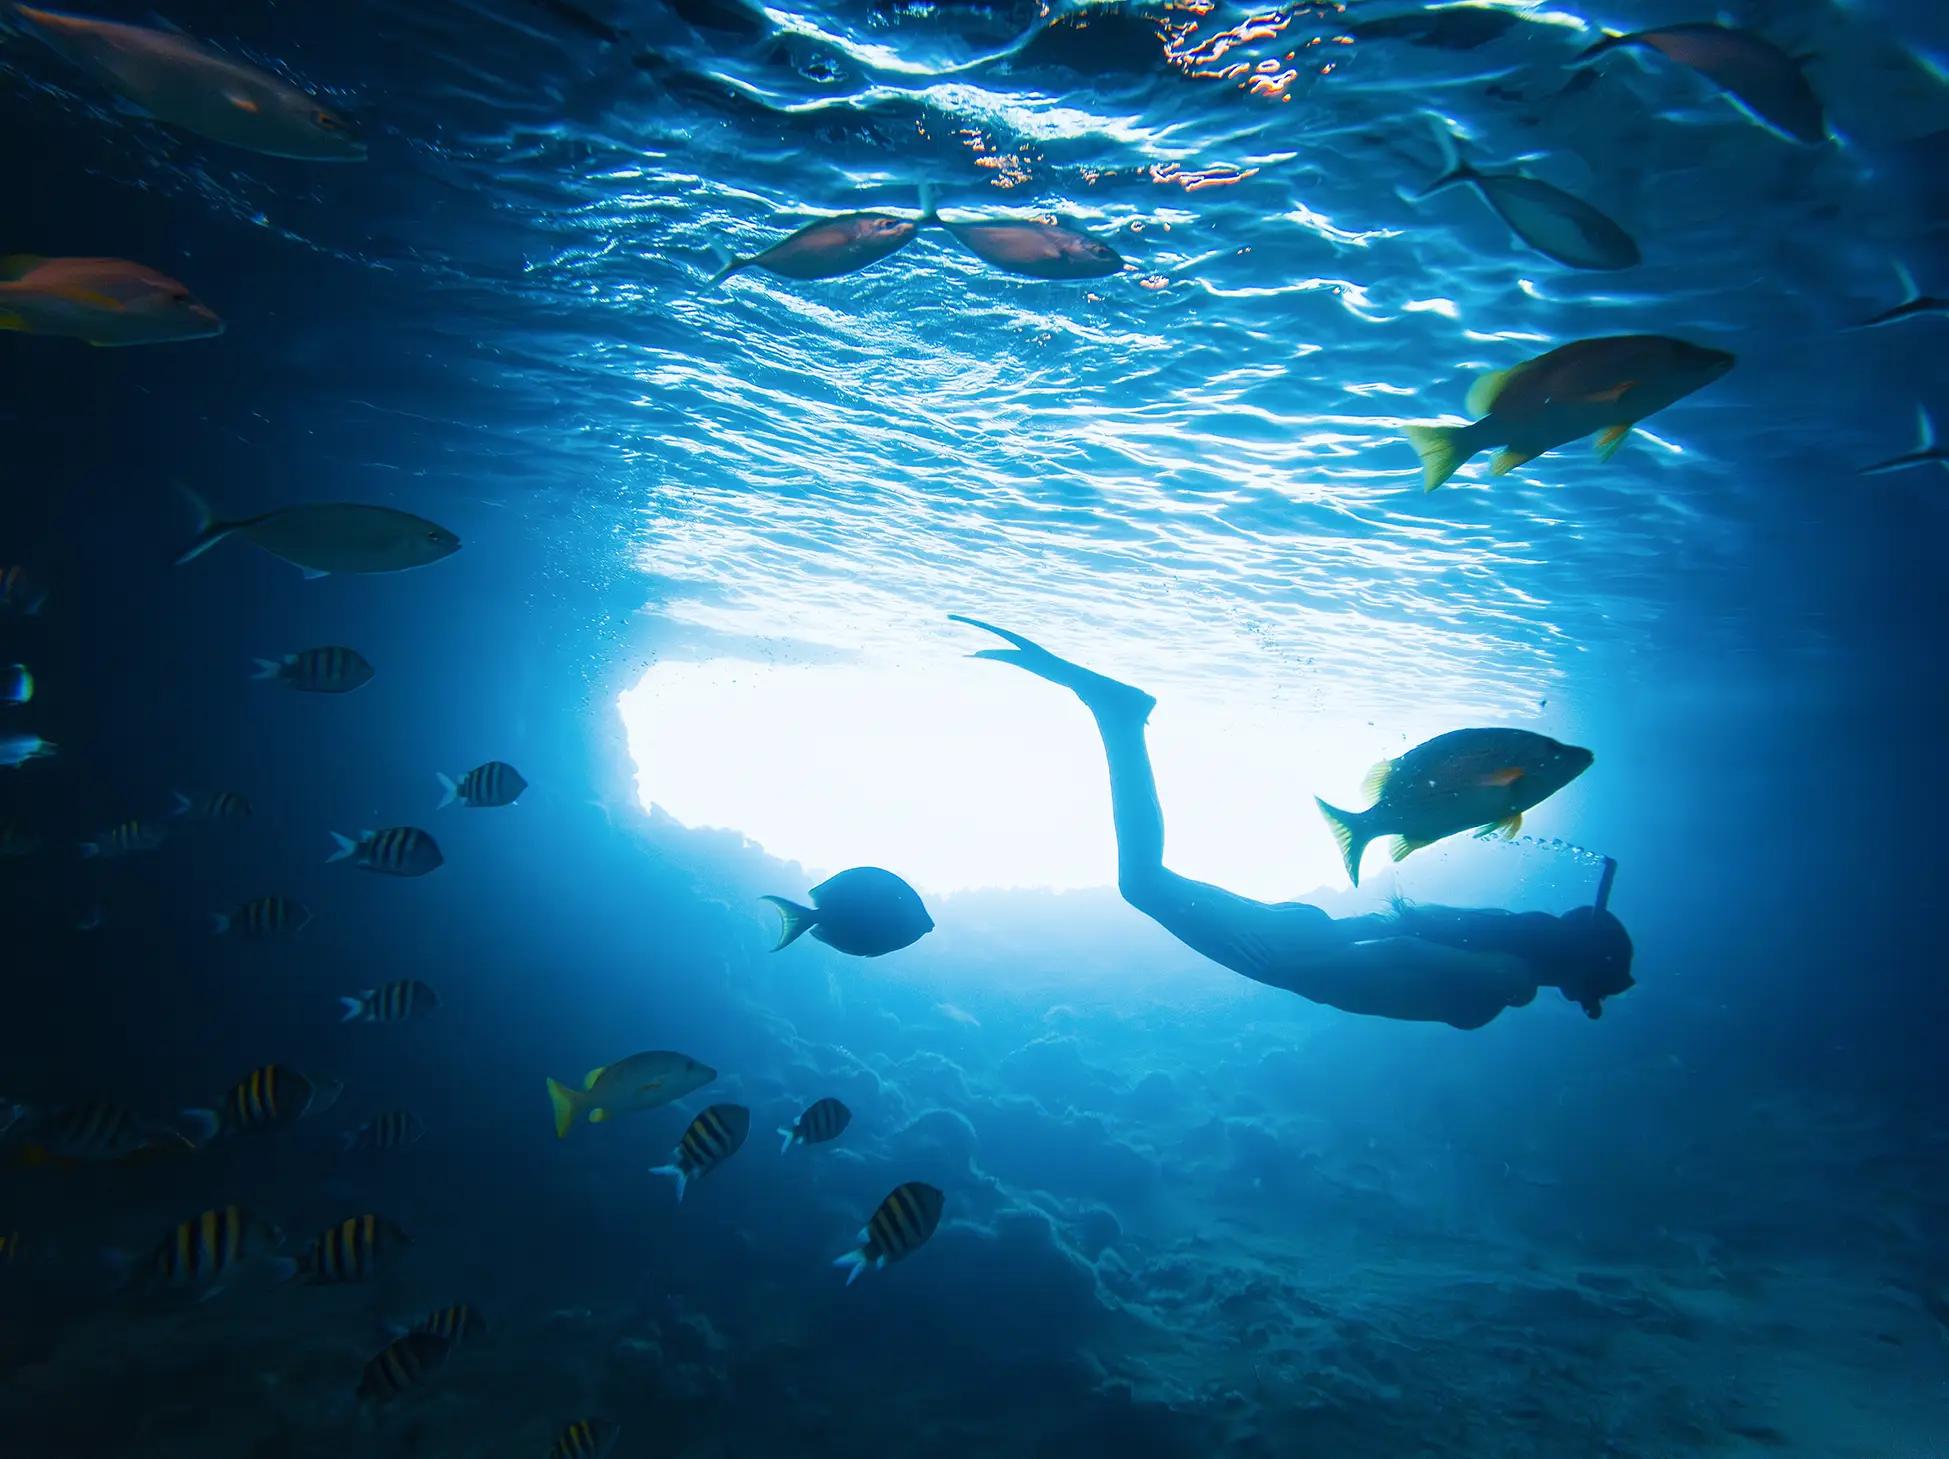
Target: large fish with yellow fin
[640, 1082]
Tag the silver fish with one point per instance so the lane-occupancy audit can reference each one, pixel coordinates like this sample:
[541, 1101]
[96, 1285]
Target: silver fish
[830, 247]
[1035, 250]
[327, 537]
[1551, 221]
[1766, 82]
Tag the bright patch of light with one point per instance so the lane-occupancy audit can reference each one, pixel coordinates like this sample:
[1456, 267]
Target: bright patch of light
[960, 774]
[1447, 308]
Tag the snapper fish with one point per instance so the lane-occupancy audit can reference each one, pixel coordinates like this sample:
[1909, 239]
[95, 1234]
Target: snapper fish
[639, 1082]
[828, 248]
[1927, 452]
[496, 783]
[331, 669]
[1551, 221]
[824, 1120]
[166, 75]
[1033, 249]
[1764, 80]
[1467, 778]
[712, 1138]
[866, 911]
[102, 301]
[396, 851]
[321, 538]
[904, 1222]
[1602, 386]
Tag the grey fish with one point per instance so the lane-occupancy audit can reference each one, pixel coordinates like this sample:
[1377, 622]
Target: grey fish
[327, 537]
[395, 851]
[1766, 82]
[1032, 249]
[865, 911]
[1551, 221]
[332, 669]
[1927, 451]
[829, 248]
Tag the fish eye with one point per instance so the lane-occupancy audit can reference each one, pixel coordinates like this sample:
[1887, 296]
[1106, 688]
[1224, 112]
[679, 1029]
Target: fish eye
[329, 122]
[181, 296]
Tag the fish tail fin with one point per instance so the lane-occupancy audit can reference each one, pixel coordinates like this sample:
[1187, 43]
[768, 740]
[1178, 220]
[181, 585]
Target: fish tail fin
[852, 1263]
[1349, 833]
[266, 669]
[347, 848]
[676, 1173]
[1442, 450]
[354, 1007]
[220, 923]
[451, 787]
[790, 1133]
[726, 266]
[1454, 166]
[200, 1126]
[1611, 41]
[209, 530]
[566, 1103]
[797, 921]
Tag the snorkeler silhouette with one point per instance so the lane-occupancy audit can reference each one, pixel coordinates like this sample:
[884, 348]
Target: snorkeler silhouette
[1454, 965]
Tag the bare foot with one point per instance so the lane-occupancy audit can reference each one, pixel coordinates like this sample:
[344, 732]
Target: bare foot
[1106, 697]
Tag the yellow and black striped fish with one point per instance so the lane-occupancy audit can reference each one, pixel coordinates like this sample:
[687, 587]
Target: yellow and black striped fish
[713, 1137]
[332, 669]
[824, 1119]
[900, 1227]
[91, 1132]
[207, 1250]
[391, 1003]
[269, 1098]
[586, 1438]
[353, 1250]
[493, 784]
[265, 917]
[131, 838]
[394, 1129]
[211, 805]
[403, 1365]
[396, 851]
[455, 1324]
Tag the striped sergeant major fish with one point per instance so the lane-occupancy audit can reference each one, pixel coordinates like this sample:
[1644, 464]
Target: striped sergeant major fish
[211, 805]
[93, 1132]
[395, 1129]
[353, 1250]
[396, 851]
[494, 784]
[264, 918]
[269, 1098]
[332, 669]
[453, 1324]
[391, 1002]
[713, 1137]
[586, 1438]
[824, 1120]
[900, 1227]
[207, 1252]
[131, 838]
[402, 1365]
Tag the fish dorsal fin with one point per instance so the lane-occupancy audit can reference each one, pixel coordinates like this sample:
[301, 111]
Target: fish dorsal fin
[1484, 393]
[18, 265]
[1405, 846]
[593, 1075]
[1375, 783]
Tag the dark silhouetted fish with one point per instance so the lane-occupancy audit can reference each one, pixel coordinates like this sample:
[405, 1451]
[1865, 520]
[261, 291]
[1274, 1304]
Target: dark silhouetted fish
[1915, 304]
[1035, 250]
[321, 538]
[712, 1138]
[865, 911]
[829, 248]
[494, 784]
[824, 1120]
[333, 669]
[395, 851]
[1444, 28]
[576, 18]
[1547, 218]
[1926, 453]
[1767, 83]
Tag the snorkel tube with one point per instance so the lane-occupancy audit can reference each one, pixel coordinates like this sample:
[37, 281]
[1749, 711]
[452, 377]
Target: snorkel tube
[1605, 951]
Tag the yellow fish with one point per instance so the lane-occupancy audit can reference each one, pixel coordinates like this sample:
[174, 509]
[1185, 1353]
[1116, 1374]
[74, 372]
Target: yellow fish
[642, 1081]
[106, 301]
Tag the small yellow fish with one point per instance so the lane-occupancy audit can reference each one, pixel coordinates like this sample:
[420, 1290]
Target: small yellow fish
[105, 301]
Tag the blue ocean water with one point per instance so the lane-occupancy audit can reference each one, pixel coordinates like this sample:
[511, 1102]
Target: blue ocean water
[712, 534]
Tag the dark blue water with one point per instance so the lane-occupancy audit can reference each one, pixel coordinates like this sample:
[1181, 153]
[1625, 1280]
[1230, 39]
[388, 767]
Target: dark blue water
[711, 537]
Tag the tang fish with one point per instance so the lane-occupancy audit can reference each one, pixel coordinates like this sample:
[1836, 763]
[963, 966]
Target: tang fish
[453, 1324]
[1473, 777]
[586, 1438]
[865, 911]
[16, 684]
[264, 917]
[1926, 453]
[900, 1227]
[17, 750]
[828, 248]
[105, 301]
[395, 1129]
[640, 1082]
[207, 1252]
[353, 1250]
[270, 1098]
[131, 838]
[1591, 385]
[1551, 221]
[211, 805]
[20, 595]
[823, 1120]
[396, 851]
[402, 1365]
[328, 670]
[391, 1003]
[1035, 250]
[93, 1132]
[166, 75]
[1767, 83]
[713, 1138]
[496, 783]
[321, 538]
